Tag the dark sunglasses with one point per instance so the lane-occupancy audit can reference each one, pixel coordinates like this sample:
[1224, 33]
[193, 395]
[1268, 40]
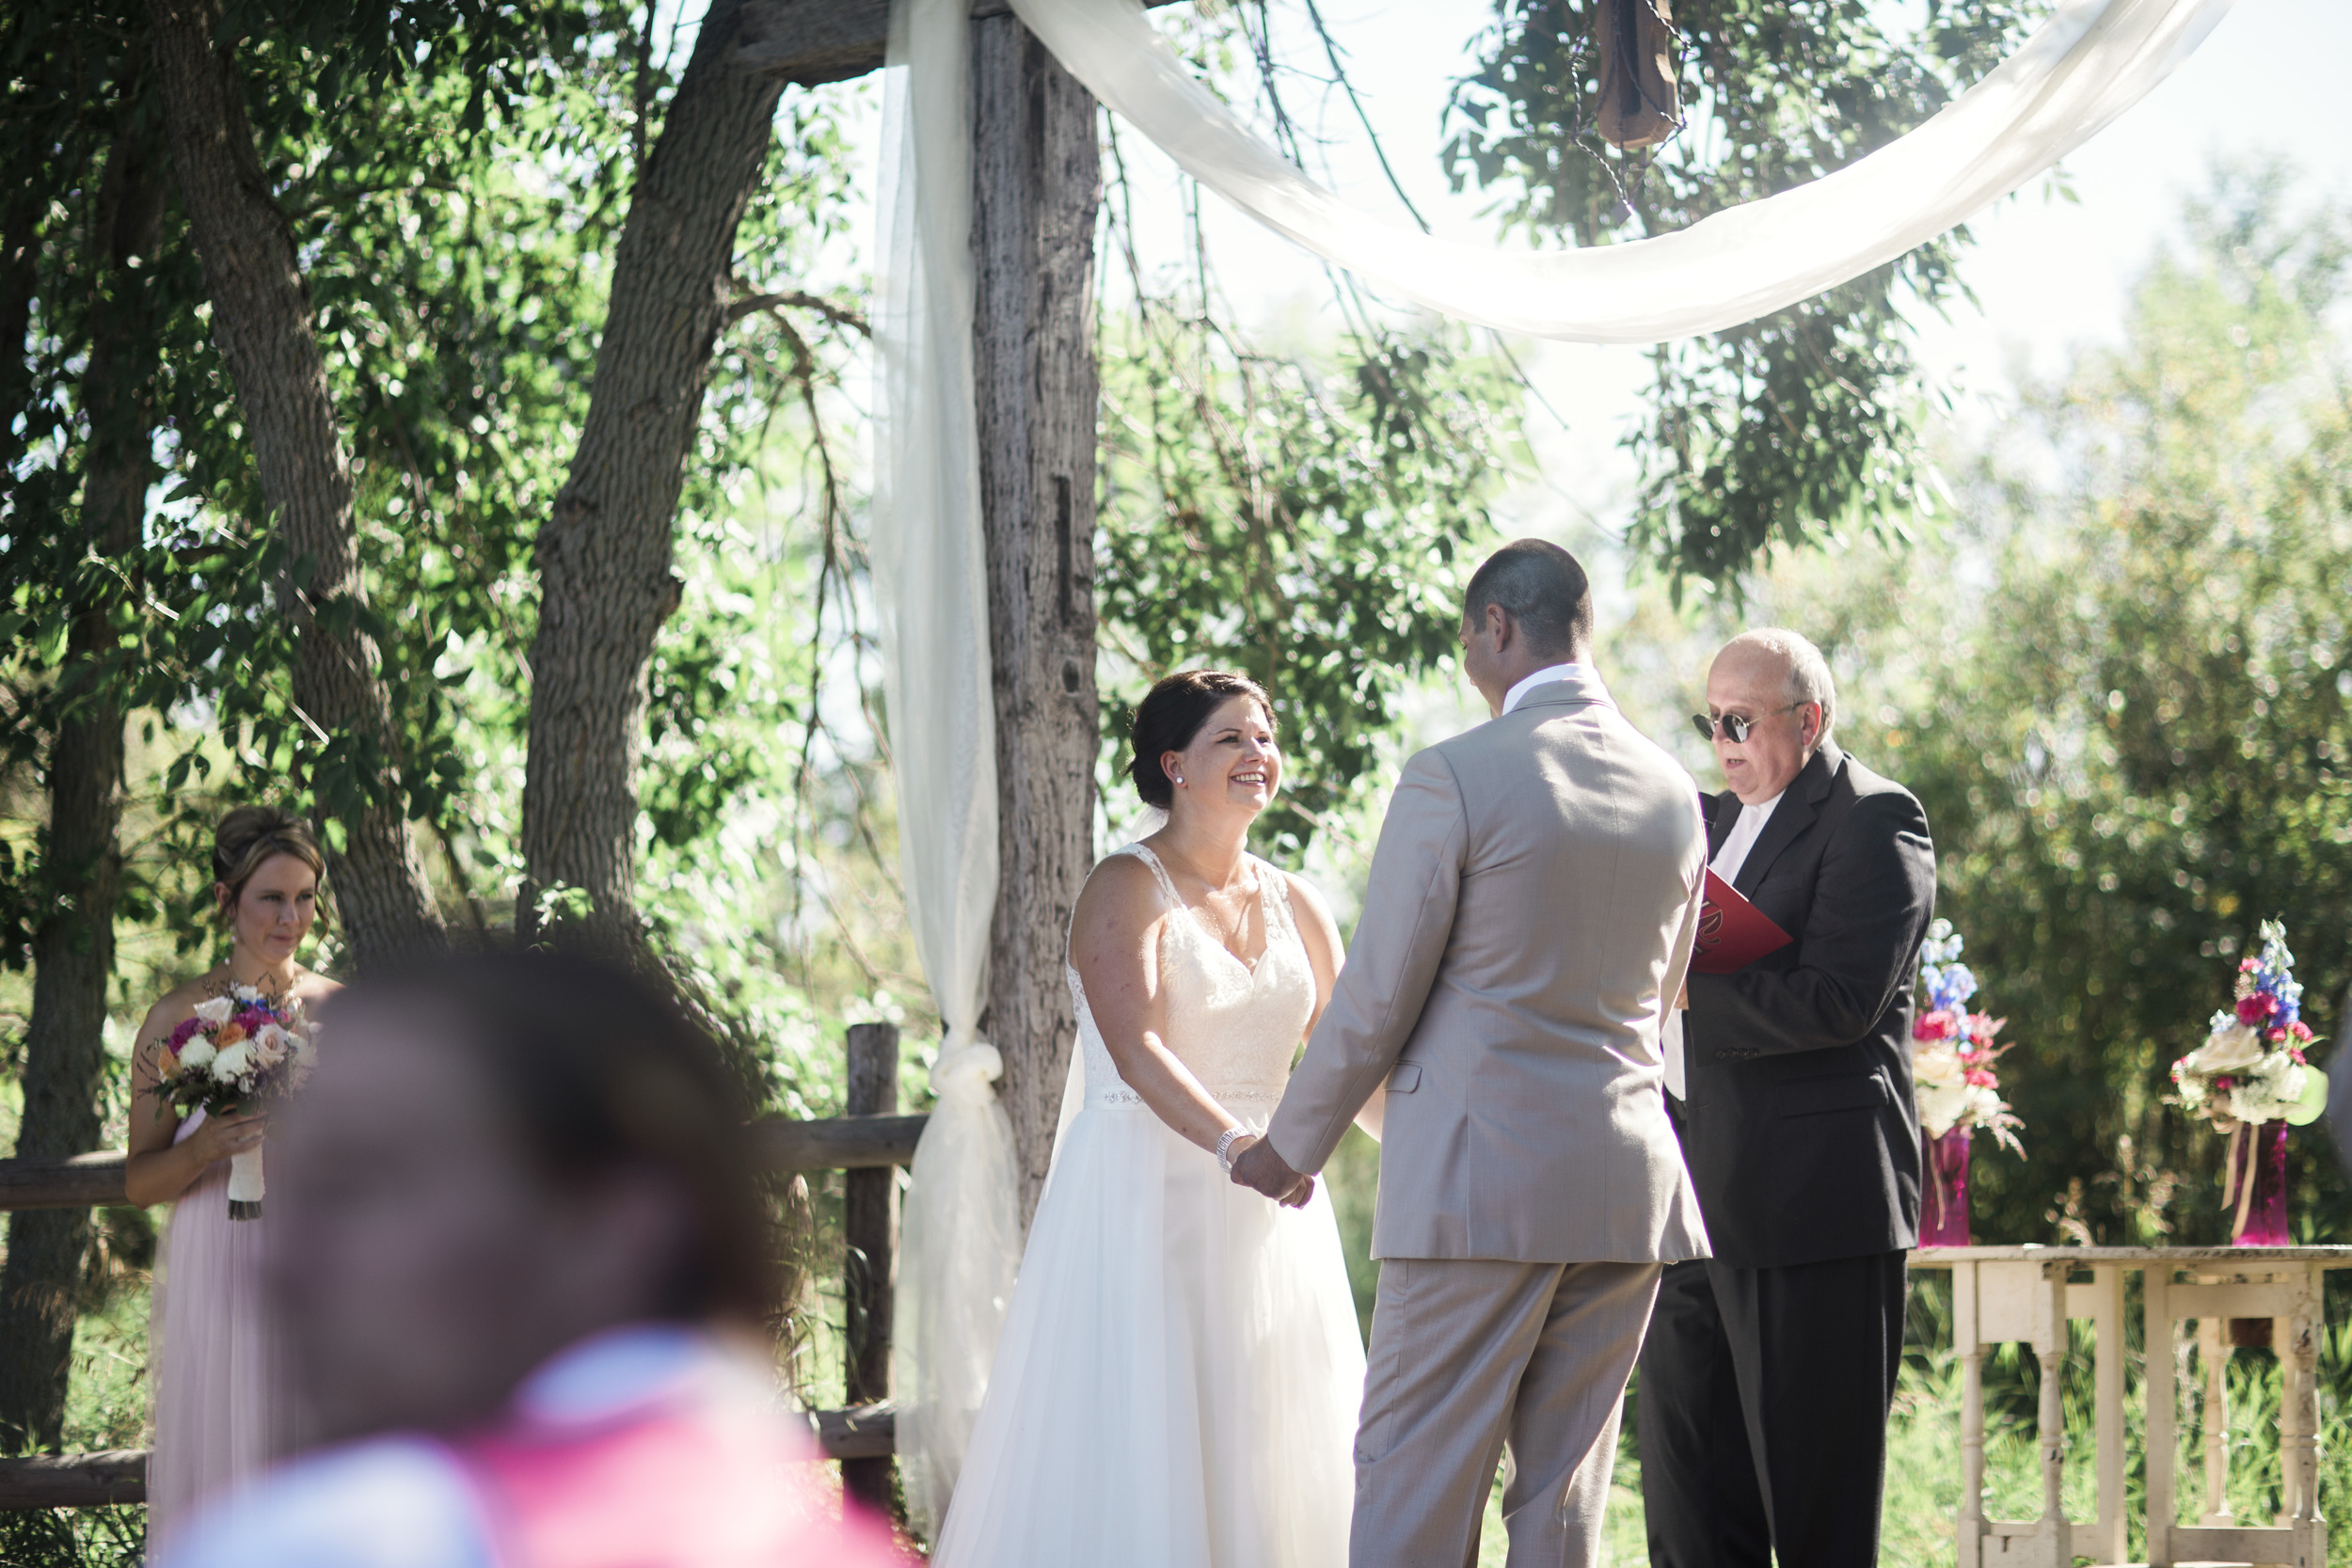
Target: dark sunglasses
[1733, 727]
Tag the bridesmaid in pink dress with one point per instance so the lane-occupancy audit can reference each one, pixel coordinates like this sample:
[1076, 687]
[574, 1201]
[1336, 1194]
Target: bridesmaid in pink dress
[221, 1404]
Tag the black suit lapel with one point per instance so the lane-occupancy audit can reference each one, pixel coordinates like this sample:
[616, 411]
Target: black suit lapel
[1796, 812]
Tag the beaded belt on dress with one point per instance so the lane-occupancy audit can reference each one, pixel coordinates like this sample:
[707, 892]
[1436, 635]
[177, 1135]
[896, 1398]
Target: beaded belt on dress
[1248, 1101]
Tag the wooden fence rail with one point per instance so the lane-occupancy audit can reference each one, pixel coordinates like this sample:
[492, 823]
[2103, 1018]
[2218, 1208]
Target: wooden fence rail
[863, 1434]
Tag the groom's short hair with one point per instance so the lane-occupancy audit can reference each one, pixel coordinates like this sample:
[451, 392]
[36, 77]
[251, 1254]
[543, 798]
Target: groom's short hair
[1541, 587]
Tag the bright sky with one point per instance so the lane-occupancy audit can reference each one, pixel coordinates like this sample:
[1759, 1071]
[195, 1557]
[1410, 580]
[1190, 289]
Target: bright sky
[2267, 85]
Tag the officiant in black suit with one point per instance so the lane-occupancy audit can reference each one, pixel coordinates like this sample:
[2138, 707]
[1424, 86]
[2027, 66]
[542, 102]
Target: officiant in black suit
[1770, 1367]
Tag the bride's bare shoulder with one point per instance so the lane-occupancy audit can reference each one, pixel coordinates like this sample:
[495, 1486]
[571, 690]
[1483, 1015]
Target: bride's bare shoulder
[1119, 890]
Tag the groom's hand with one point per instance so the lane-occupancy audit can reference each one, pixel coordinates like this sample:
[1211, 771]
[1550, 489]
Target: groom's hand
[1260, 1168]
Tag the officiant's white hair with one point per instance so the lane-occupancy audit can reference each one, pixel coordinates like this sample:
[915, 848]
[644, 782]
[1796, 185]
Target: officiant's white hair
[1809, 679]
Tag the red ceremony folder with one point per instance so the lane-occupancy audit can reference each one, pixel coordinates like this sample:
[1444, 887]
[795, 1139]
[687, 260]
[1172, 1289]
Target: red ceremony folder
[1733, 933]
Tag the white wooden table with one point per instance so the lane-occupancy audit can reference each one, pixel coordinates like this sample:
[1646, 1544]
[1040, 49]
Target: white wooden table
[2026, 1295]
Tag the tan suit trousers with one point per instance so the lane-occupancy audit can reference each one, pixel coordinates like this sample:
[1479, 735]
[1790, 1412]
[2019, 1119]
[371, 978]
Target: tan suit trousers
[1468, 1355]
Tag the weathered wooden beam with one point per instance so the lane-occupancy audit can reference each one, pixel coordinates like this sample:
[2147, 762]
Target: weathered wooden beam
[75, 1479]
[779, 1143]
[841, 1143]
[84, 1182]
[808, 41]
[863, 1432]
[95, 1480]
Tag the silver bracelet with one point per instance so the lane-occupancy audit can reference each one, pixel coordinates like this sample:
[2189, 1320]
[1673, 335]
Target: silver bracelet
[1225, 1147]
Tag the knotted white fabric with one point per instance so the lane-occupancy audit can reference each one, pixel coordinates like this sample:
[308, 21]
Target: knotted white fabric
[2089, 63]
[962, 1231]
[958, 1246]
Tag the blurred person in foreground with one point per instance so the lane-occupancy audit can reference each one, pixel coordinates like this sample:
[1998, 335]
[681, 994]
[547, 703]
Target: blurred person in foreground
[521, 1263]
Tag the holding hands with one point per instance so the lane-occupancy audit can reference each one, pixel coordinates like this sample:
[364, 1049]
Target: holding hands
[1258, 1165]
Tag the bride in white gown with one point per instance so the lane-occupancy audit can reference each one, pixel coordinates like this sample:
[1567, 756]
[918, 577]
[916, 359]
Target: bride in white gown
[1180, 1372]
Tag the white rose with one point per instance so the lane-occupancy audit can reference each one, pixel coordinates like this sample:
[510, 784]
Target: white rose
[215, 1010]
[2230, 1049]
[196, 1054]
[270, 1044]
[234, 1063]
[1941, 1106]
[1939, 1065]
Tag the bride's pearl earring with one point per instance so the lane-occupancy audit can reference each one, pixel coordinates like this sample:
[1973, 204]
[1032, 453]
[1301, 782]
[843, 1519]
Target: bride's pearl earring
[1180, 781]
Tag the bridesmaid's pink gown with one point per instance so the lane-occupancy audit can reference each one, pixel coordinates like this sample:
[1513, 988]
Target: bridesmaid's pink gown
[221, 1392]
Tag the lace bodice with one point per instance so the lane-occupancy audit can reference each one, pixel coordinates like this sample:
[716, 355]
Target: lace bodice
[1234, 1026]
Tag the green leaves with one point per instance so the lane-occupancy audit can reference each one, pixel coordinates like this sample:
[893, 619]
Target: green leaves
[2124, 707]
[1310, 527]
[1804, 424]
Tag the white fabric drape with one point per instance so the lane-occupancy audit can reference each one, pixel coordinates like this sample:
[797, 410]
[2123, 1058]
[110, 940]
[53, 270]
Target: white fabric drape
[2089, 63]
[961, 1234]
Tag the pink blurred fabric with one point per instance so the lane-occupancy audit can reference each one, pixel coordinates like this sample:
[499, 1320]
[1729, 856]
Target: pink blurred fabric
[698, 1471]
[222, 1399]
[648, 1446]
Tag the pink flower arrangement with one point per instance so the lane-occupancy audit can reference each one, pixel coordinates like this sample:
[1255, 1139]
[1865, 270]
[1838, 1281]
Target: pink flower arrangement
[1953, 1050]
[2251, 1067]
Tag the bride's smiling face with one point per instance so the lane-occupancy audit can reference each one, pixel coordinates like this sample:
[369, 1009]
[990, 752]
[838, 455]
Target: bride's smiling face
[1232, 763]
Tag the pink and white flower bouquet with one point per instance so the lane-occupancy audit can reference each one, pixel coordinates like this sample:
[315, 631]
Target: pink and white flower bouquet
[1952, 1050]
[2251, 1070]
[239, 1051]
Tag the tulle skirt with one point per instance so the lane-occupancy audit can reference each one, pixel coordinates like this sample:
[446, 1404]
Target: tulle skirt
[1178, 1378]
[221, 1393]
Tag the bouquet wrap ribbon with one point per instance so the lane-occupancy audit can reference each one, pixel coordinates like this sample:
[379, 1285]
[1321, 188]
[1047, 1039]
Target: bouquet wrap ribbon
[244, 1185]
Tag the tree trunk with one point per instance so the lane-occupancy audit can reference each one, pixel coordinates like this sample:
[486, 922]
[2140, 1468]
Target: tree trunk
[262, 320]
[81, 867]
[20, 256]
[605, 584]
[1036, 177]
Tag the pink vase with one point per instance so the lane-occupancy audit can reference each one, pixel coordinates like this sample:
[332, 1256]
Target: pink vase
[1944, 1207]
[2261, 1159]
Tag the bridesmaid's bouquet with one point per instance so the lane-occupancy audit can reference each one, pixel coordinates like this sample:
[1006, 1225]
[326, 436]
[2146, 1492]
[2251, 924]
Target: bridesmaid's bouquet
[245, 1049]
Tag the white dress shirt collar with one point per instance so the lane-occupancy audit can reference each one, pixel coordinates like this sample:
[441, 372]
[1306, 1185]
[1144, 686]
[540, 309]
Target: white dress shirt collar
[1583, 675]
[1743, 837]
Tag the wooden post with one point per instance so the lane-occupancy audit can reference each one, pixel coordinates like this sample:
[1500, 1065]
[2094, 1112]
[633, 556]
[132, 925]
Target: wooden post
[2296, 1336]
[1037, 188]
[2107, 1323]
[2163, 1408]
[869, 1233]
[2212, 1352]
[2050, 1349]
[1970, 1345]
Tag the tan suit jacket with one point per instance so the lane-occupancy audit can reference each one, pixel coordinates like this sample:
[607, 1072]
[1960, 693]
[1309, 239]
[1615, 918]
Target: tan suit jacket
[1530, 914]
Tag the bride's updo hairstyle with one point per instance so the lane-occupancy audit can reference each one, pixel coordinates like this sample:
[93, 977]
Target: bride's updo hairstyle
[1171, 717]
[247, 839]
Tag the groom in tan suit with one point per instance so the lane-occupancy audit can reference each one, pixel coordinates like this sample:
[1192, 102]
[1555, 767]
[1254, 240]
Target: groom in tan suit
[1530, 914]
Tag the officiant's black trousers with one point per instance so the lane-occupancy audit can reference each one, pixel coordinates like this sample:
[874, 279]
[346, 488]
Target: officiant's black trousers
[1762, 1416]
